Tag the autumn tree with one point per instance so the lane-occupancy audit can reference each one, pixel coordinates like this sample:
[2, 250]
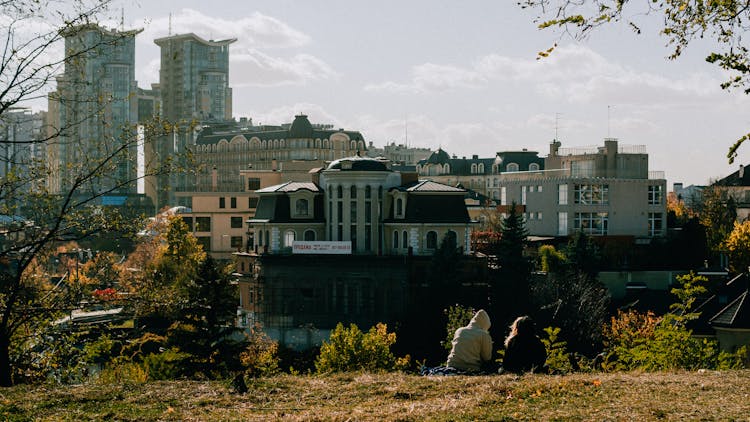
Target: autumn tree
[43, 214]
[737, 246]
[718, 212]
[723, 22]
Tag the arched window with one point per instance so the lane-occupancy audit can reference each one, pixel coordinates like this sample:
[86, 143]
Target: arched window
[451, 238]
[325, 143]
[511, 167]
[289, 237]
[301, 206]
[404, 240]
[353, 192]
[368, 191]
[533, 167]
[431, 240]
[309, 235]
[353, 145]
[395, 239]
[446, 168]
[317, 143]
[480, 168]
[268, 239]
[340, 192]
[399, 207]
[473, 168]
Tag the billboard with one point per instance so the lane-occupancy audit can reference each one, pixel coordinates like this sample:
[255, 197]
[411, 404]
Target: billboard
[322, 247]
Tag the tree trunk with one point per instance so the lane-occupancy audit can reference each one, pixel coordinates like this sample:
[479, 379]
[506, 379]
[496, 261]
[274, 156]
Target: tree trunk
[5, 371]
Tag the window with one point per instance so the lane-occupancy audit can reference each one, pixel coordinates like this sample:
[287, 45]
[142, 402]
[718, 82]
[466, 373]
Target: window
[539, 215]
[539, 188]
[503, 196]
[480, 168]
[236, 242]
[368, 191]
[591, 194]
[189, 222]
[353, 192]
[593, 223]
[205, 242]
[368, 212]
[562, 223]
[339, 192]
[523, 195]
[399, 207]
[309, 235]
[655, 194]
[301, 207]
[352, 212]
[431, 240]
[222, 202]
[235, 222]
[404, 240]
[253, 183]
[289, 237]
[511, 167]
[395, 239]
[533, 167]
[654, 224]
[451, 238]
[233, 202]
[562, 194]
[582, 168]
[252, 202]
[203, 224]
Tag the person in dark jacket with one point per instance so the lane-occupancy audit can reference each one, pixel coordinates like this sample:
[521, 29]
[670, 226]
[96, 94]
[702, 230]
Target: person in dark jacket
[524, 352]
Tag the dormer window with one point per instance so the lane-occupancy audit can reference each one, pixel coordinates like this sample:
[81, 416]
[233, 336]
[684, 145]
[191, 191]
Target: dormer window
[533, 167]
[301, 207]
[399, 207]
[511, 167]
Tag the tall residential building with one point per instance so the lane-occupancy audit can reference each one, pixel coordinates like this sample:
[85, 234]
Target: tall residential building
[19, 129]
[194, 78]
[94, 110]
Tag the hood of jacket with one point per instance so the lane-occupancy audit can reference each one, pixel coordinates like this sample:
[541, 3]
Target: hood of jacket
[481, 320]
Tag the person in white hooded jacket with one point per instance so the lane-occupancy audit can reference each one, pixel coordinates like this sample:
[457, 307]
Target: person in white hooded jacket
[472, 344]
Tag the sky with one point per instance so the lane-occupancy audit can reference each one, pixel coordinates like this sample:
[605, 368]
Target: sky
[462, 76]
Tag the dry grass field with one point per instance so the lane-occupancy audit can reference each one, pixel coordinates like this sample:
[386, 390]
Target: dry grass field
[702, 395]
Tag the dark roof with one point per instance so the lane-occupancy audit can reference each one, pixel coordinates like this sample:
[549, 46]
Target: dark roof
[300, 128]
[734, 179]
[276, 209]
[734, 315]
[462, 166]
[358, 163]
[433, 209]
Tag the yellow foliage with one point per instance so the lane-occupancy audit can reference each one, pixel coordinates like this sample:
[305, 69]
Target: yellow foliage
[737, 246]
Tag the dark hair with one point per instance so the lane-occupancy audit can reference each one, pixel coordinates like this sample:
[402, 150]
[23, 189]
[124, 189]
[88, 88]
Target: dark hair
[523, 325]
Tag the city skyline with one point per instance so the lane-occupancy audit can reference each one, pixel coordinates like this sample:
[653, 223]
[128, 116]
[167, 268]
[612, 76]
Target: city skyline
[465, 79]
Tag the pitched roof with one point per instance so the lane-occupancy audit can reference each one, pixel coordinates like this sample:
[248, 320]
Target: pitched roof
[300, 128]
[734, 315]
[462, 166]
[735, 179]
[430, 186]
[290, 187]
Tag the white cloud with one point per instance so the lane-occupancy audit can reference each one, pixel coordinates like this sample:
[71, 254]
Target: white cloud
[254, 31]
[255, 68]
[285, 114]
[574, 73]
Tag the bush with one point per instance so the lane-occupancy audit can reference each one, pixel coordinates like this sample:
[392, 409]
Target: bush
[558, 358]
[349, 349]
[123, 373]
[260, 357]
[458, 316]
[168, 365]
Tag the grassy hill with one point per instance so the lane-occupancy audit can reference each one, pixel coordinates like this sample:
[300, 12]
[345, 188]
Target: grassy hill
[702, 395]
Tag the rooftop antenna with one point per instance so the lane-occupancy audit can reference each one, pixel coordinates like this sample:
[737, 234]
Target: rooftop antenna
[608, 120]
[122, 18]
[406, 130]
[557, 124]
[170, 24]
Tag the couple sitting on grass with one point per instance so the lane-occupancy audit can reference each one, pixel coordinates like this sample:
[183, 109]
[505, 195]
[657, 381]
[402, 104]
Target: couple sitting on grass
[471, 350]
